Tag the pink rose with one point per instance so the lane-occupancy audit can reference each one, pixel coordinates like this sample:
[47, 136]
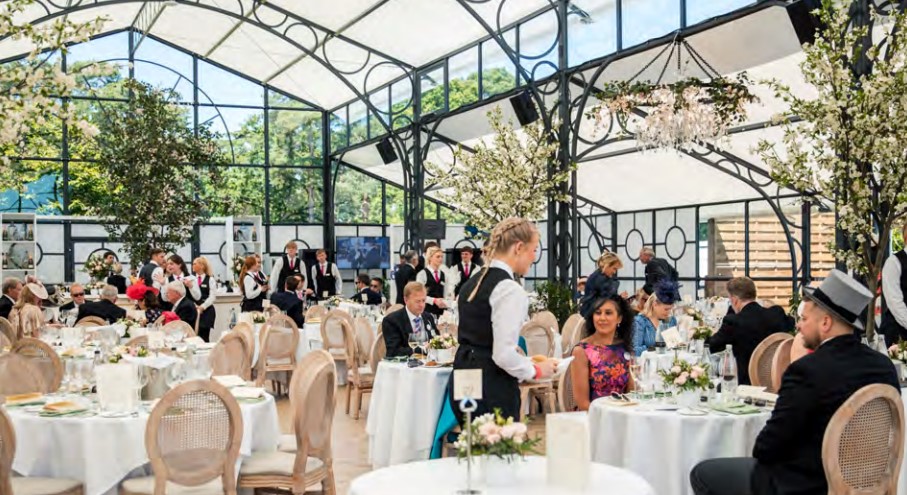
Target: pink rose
[488, 429]
[680, 380]
[698, 369]
[493, 438]
[695, 374]
[675, 370]
[520, 428]
[685, 374]
[508, 431]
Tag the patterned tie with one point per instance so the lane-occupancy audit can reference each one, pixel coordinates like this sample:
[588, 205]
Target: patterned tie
[417, 322]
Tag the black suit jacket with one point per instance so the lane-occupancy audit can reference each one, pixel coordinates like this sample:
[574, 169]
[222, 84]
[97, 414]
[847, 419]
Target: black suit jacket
[397, 328]
[68, 306]
[6, 305]
[789, 448]
[289, 303]
[118, 281]
[405, 275]
[371, 297]
[102, 309]
[658, 269]
[746, 330]
[187, 311]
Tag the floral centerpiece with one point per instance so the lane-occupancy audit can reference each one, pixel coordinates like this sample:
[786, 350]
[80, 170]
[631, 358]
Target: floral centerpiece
[122, 351]
[238, 262]
[443, 347]
[898, 354]
[695, 314]
[500, 440]
[128, 322]
[701, 332]
[259, 318]
[688, 379]
[96, 267]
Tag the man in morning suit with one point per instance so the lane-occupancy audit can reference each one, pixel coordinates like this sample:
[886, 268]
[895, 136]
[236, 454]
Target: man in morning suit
[182, 306]
[748, 325]
[365, 294]
[12, 286]
[656, 269]
[288, 301]
[406, 274]
[787, 457]
[398, 325]
[105, 307]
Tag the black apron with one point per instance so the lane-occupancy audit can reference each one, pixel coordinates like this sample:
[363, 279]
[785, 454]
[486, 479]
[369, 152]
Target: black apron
[251, 304]
[207, 317]
[434, 289]
[286, 272]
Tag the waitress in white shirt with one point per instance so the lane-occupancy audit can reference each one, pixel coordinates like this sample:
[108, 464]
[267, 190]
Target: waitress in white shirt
[207, 291]
[493, 308]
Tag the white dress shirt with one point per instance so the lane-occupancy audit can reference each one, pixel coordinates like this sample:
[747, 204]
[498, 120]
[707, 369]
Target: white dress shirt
[412, 321]
[157, 274]
[448, 287]
[509, 311]
[251, 289]
[278, 266]
[338, 282]
[891, 290]
[212, 289]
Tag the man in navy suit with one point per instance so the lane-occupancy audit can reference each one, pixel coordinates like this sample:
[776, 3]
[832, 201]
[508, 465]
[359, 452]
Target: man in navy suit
[366, 295]
[398, 325]
[289, 302]
[787, 457]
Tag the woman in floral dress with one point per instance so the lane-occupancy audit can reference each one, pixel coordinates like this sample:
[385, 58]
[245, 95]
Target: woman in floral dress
[600, 367]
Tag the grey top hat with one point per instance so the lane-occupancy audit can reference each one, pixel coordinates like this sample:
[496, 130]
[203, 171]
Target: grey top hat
[841, 295]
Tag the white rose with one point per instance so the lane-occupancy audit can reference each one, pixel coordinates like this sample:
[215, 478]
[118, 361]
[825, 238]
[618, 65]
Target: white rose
[680, 380]
[508, 431]
[675, 370]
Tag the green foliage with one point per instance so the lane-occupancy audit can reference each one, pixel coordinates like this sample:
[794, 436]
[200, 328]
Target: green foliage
[557, 298]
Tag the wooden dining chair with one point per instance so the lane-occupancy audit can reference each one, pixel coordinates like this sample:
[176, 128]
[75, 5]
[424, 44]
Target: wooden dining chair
[359, 374]
[193, 438]
[5, 343]
[316, 313]
[92, 321]
[571, 334]
[760, 367]
[547, 320]
[539, 341]
[863, 444]
[6, 328]
[565, 400]
[179, 326]
[247, 333]
[27, 485]
[44, 359]
[365, 336]
[332, 334]
[780, 363]
[278, 341]
[140, 341]
[312, 387]
[18, 375]
[393, 307]
[377, 353]
[229, 357]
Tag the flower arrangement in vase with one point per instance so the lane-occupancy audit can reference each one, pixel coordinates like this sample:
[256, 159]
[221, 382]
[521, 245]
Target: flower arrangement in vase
[127, 322]
[701, 332]
[688, 379]
[238, 262]
[898, 354]
[259, 318]
[499, 441]
[120, 352]
[443, 347]
[96, 267]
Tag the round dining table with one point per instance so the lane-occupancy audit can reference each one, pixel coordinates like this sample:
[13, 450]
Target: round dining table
[101, 452]
[661, 443]
[449, 475]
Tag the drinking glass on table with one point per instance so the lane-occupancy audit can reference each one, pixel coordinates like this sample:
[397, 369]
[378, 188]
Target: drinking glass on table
[728, 375]
[413, 342]
[634, 367]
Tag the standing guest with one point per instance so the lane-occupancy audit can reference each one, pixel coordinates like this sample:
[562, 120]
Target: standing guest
[787, 457]
[288, 301]
[894, 282]
[748, 326]
[77, 293]
[435, 281]
[465, 268]
[656, 269]
[287, 265]
[399, 325]
[655, 313]
[600, 367]
[114, 276]
[397, 267]
[326, 281]
[406, 274]
[639, 303]
[183, 306]
[365, 294]
[493, 308]
[105, 307]
[12, 287]
[154, 269]
[27, 317]
[146, 299]
[177, 271]
[205, 282]
[602, 283]
[253, 292]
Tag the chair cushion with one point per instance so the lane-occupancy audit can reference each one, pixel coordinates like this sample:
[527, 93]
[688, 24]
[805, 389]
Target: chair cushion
[145, 485]
[43, 486]
[277, 362]
[275, 463]
[287, 443]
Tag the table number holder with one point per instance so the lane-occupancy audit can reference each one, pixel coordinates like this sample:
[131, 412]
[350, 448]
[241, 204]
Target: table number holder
[467, 388]
[468, 406]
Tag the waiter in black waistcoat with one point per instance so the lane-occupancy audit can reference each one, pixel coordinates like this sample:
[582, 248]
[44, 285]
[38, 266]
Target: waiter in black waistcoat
[287, 265]
[465, 268]
[155, 265]
[435, 281]
[894, 284]
[326, 281]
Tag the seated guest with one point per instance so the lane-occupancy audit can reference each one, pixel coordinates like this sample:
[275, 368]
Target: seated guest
[184, 308]
[787, 457]
[749, 325]
[398, 325]
[105, 307]
[27, 317]
[580, 289]
[77, 292]
[599, 366]
[12, 286]
[288, 301]
[365, 294]
[602, 282]
[377, 285]
[656, 312]
[146, 299]
[639, 302]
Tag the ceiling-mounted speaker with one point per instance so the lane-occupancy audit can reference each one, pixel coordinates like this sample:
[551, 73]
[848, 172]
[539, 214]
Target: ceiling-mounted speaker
[524, 108]
[805, 23]
[386, 150]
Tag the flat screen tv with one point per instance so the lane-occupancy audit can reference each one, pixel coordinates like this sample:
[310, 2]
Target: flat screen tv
[363, 253]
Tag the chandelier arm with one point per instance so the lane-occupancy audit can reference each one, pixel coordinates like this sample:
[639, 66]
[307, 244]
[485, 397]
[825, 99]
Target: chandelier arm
[700, 60]
[656, 57]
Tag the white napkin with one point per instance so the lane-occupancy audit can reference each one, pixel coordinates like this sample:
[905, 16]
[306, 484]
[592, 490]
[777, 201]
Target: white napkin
[247, 392]
[158, 362]
[197, 341]
[562, 365]
[672, 337]
[568, 451]
[229, 380]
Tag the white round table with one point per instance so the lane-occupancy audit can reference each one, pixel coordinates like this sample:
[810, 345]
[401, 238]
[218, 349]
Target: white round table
[447, 476]
[101, 452]
[403, 412]
[663, 446]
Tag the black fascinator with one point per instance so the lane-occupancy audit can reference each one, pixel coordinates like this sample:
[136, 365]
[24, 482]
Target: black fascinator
[667, 291]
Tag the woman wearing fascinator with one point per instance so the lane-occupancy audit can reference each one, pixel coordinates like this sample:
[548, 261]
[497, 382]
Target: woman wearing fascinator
[656, 311]
[602, 283]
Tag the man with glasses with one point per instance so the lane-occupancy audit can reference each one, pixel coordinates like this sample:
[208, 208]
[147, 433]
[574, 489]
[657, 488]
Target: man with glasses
[377, 285]
[366, 293]
[77, 292]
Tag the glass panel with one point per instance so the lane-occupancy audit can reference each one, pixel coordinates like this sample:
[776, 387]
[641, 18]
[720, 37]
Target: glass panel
[294, 137]
[37, 191]
[164, 67]
[338, 130]
[357, 198]
[394, 203]
[87, 188]
[296, 195]
[277, 99]
[538, 45]
[592, 31]
[822, 235]
[358, 118]
[644, 20]
[453, 216]
[380, 100]
[721, 246]
[769, 252]
[431, 86]
[498, 72]
[98, 113]
[463, 72]
[220, 86]
[402, 103]
[243, 187]
[700, 10]
[241, 132]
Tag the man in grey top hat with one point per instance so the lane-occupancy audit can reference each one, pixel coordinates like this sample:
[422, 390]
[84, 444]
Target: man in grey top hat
[787, 457]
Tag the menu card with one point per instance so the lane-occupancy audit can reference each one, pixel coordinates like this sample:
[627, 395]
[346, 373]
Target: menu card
[567, 450]
[672, 337]
[117, 384]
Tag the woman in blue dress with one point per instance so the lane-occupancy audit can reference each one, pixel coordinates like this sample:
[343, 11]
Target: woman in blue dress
[602, 283]
[656, 312]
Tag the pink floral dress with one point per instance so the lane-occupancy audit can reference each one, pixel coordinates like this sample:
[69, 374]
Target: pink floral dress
[608, 369]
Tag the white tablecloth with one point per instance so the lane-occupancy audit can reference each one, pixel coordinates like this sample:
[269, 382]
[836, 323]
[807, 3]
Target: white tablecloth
[448, 476]
[101, 452]
[666, 360]
[403, 412]
[663, 446]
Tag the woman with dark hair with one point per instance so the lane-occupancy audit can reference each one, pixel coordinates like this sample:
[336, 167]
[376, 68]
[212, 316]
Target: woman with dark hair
[178, 271]
[600, 366]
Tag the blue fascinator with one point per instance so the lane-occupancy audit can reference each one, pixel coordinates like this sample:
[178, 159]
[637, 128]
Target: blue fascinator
[667, 291]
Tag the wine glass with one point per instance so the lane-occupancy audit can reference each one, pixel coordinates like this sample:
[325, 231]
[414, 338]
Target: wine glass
[142, 377]
[634, 367]
[176, 374]
[413, 342]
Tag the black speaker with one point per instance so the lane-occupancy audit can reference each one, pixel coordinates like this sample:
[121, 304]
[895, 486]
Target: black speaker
[386, 150]
[433, 229]
[805, 23]
[524, 108]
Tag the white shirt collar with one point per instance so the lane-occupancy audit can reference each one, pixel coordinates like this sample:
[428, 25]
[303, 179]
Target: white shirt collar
[10, 298]
[177, 303]
[503, 266]
[413, 317]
